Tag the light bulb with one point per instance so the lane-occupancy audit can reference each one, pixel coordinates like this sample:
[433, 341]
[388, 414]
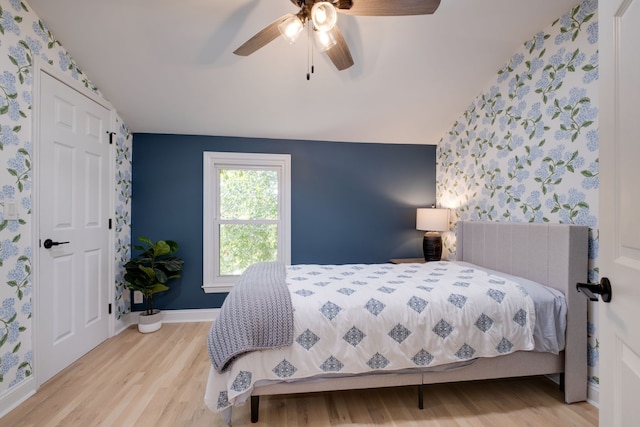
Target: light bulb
[324, 16]
[325, 40]
[291, 28]
[321, 16]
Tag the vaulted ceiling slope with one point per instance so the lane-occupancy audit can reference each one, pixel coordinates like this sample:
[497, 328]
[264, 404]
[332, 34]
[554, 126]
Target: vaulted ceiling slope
[168, 66]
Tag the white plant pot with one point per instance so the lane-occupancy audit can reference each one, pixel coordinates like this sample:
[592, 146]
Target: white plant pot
[148, 323]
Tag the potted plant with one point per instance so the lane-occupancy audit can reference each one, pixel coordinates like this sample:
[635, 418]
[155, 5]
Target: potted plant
[149, 273]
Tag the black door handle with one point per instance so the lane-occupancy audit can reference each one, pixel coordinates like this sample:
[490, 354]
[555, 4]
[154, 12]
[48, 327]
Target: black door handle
[592, 290]
[48, 244]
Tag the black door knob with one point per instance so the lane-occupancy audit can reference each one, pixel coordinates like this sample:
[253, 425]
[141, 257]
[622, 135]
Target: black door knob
[592, 290]
[48, 244]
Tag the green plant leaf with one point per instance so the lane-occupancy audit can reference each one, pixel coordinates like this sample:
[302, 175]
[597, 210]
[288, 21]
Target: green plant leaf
[159, 287]
[145, 240]
[161, 248]
[150, 272]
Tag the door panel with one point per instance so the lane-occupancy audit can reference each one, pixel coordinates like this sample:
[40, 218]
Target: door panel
[62, 280]
[93, 276]
[63, 179]
[93, 198]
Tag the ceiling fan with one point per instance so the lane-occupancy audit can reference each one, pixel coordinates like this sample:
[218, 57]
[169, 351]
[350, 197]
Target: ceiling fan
[322, 16]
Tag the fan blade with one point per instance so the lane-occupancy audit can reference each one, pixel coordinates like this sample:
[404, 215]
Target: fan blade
[261, 39]
[340, 54]
[391, 7]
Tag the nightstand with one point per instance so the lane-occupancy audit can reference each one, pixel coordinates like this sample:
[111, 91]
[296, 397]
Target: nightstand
[407, 261]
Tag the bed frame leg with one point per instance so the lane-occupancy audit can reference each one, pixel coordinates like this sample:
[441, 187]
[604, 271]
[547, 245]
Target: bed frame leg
[255, 404]
[421, 396]
[562, 382]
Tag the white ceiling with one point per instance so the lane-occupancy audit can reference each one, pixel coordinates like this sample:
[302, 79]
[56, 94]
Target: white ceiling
[167, 66]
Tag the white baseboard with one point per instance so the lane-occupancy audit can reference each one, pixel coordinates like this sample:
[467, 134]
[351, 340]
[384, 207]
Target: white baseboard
[169, 316]
[554, 377]
[183, 316]
[14, 396]
[593, 394]
[123, 323]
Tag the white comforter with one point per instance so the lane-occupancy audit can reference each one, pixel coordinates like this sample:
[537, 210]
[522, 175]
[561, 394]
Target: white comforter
[352, 319]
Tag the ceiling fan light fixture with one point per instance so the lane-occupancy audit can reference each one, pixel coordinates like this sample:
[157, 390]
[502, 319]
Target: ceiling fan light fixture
[324, 16]
[291, 28]
[325, 40]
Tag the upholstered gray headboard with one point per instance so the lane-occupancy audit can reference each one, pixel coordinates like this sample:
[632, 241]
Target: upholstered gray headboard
[555, 255]
[545, 253]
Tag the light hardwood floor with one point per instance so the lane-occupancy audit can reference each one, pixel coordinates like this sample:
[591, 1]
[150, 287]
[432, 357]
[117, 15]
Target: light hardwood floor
[159, 379]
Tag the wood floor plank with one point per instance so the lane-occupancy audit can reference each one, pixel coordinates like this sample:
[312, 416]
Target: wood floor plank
[159, 380]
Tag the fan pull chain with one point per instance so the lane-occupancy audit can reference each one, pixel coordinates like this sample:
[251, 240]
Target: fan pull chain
[312, 50]
[310, 57]
[309, 51]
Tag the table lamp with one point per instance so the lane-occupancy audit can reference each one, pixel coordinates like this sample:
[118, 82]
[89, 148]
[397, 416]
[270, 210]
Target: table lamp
[433, 221]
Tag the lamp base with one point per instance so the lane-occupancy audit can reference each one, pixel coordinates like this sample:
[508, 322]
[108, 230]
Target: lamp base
[432, 246]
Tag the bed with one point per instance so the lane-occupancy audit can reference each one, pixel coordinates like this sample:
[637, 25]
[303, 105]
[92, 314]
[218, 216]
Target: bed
[506, 258]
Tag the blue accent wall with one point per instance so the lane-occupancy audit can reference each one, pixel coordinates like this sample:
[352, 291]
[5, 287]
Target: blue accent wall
[350, 202]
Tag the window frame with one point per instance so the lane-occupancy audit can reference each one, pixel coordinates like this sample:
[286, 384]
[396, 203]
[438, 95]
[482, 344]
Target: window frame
[213, 161]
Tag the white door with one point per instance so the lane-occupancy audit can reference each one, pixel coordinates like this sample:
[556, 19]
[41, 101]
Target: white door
[619, 253]
[72, 290]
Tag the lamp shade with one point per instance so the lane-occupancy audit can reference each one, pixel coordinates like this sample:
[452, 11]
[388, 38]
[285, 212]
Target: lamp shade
[291, 28]
[325, 40]
[432, 219]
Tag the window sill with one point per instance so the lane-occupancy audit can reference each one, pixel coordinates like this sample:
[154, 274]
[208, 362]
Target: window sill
[217, 289]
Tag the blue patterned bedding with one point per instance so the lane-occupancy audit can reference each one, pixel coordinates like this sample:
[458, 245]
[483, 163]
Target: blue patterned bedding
[358, 319]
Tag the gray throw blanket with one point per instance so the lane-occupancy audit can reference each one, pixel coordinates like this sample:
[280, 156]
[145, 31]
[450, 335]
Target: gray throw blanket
[257, 314]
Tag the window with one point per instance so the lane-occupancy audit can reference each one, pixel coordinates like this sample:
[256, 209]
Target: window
[247, 214]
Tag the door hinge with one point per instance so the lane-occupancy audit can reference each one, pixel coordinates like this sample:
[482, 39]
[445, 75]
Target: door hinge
[110, 223]
[111, 136]
[110, 309]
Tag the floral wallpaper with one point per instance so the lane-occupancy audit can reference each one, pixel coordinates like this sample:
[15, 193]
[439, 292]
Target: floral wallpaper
[526, 149]
[23, 38]
[122, 220]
